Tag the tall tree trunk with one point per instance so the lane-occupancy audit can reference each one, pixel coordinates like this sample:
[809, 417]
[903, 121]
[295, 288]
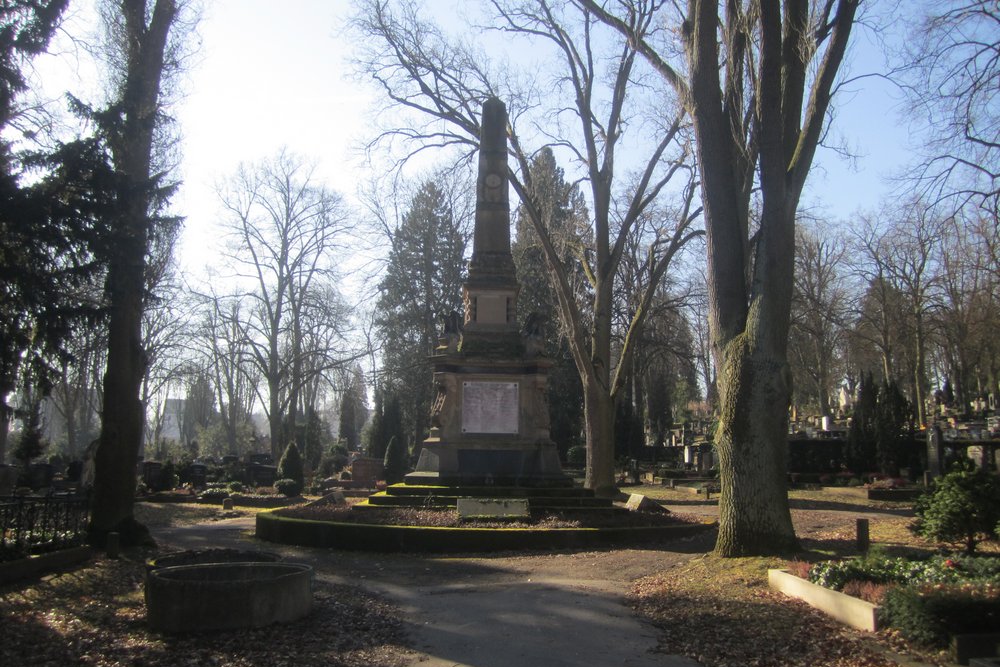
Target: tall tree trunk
[131, 142]
[754, 392]
[599, 410]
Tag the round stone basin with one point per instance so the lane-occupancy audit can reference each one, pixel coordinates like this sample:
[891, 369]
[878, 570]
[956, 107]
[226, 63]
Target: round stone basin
[205, 556]
[223, 596]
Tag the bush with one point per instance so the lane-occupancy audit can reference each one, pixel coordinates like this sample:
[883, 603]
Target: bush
[395, 461]
[963, 508]
[878, 569]
[290, 466]
[235, 487]
[576, 456]
[288, 487]
[930, 614]
[216, 493]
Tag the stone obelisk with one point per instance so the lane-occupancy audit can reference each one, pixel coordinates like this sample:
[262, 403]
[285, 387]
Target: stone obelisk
[489, 420]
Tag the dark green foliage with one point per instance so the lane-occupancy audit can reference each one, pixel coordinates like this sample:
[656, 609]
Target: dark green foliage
[879, 429]
[859, 452]
[290, 465]
[29, 444]
[288, 487]
[386, 424]
[893, 417]
[565, 215]
[396, 460]
[423, 282]
[963, 508]
[168, 479]
[313, 434]
[930, 614]
[577, 456]
[353, 414]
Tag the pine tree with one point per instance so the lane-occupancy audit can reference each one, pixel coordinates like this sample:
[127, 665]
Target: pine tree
[862, 437]
[396, 460]
[565, 211]
[423, 281]
[290, 466]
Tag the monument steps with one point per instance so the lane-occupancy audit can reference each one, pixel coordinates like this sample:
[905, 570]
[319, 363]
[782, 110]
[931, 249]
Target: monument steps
[539, 499]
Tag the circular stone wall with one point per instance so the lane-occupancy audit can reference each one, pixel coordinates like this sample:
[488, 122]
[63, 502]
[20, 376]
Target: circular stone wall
[222, 596]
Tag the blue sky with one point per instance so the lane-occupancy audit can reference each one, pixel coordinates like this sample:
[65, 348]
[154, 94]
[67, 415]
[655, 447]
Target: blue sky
[271, 75]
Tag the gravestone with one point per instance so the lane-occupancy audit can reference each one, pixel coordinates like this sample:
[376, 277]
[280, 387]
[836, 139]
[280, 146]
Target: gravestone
[490, 414]
[935, 450]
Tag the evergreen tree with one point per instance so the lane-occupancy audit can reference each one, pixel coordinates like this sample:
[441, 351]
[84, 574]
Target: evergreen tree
[396, 460]
[290, 466]
[423, 282]
[892, 418]
[565, 211]
[386, 424]
[862, 437]
[353, 411]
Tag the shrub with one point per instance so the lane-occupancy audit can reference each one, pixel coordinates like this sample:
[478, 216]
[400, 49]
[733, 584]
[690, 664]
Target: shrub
[963, 508]
[290, 466]
[216, 493]
[235, 487]
[576, 456]
[930, 614]
[395, 460]
[876, 568]
[288, 487]
[866, 590]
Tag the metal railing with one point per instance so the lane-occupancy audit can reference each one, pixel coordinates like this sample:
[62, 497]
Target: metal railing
[31, 525]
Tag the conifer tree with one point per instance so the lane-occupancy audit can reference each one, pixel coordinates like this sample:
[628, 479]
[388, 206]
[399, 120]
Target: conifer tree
[422, 283]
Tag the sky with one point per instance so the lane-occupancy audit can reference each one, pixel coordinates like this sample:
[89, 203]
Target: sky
[270, 75]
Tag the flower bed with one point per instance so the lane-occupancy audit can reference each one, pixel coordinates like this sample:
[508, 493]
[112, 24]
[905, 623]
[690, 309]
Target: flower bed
[928, 601]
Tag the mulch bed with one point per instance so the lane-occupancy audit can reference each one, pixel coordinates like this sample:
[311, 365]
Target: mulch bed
[448, 518]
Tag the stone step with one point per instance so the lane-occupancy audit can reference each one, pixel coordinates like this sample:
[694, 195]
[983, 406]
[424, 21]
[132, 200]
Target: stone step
[375, 505]
[488, 491]
[384, 499]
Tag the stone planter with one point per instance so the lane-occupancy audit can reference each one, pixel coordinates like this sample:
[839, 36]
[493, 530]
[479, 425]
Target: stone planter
[225, 596]
[846, 609]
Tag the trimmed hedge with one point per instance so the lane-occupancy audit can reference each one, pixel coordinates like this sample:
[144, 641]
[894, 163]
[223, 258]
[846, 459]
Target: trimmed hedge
[371, 537]
[931, 614]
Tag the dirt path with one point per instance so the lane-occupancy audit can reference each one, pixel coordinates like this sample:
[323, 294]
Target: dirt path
[501, 610]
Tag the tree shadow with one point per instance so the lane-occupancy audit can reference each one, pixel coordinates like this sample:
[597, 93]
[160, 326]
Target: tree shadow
[828, 505]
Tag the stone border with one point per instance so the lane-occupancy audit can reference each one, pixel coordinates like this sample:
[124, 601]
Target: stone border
[845, 608]
[372, 537]
[42, 563]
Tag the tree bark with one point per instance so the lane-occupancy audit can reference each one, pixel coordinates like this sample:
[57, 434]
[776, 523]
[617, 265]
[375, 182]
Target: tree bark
[131, 142]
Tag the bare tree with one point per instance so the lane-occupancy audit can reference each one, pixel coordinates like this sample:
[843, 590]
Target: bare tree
[819, 314]
[952, 68]
[284, 228]
[901, 264]
[757, 82]
[445, 84]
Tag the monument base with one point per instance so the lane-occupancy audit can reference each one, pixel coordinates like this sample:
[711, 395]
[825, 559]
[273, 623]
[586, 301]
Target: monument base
[489, 463]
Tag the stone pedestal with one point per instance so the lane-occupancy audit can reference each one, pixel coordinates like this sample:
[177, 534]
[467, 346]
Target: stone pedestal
[490, 425]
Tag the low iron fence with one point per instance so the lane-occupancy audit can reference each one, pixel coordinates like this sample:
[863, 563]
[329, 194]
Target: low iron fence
[32, 525]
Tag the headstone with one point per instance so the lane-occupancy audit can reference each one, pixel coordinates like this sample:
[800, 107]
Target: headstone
[637, 502]
[151, 473]
[196, 474]
[40, 476]
[366, 471]
[935, 450]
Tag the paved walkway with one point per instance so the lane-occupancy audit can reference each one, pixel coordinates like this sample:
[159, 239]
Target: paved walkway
[556, 610]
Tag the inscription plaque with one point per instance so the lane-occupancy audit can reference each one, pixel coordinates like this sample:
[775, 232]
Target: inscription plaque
[489, 407]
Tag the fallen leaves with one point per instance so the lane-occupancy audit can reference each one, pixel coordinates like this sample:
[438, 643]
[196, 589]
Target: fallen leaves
[96, 616]
[721, 613]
